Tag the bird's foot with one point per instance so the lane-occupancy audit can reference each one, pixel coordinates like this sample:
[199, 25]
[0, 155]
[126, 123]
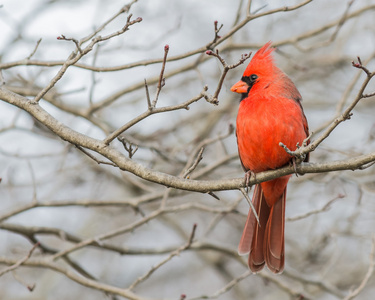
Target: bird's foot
[248, 176]
[294, 165]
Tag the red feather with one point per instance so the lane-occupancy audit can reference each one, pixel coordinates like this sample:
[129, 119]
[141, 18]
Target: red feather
[270, 112]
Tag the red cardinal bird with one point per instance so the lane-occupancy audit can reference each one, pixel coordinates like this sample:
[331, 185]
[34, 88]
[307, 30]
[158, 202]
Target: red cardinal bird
[270, 112]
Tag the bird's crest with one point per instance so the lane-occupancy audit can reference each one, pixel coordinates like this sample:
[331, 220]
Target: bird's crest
[262, 60]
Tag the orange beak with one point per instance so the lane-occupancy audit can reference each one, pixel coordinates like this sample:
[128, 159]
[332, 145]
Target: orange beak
[240, 87]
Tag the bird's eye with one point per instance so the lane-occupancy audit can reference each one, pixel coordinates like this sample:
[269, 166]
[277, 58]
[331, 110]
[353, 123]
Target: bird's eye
[250, 80]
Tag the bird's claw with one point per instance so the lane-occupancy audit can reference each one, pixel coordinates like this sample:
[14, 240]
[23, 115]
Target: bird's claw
[294, 165]
[248, 176]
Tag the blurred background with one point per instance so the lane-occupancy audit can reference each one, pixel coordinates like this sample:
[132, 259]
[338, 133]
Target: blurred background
[54, 194]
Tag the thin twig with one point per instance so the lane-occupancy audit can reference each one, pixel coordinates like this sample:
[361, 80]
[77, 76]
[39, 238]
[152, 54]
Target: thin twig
[206, 142]
[75, 56]
[148, 96]
[368, 95]
[243, 191]
[93, 76]
[339, 24]
[161, 82]
[94, 158]
[226, 288]
[20, 262]
[286, 288]
[35, 49]
[147, 113]
[326, 207]
[227, 67]
[231, 284]
[30, 287]
[216, 31]
[123, 9]
[235, 28]
[48, 264]
[75, 41]
[195, 164]
[370, 271]
[141, 171]
[346, 115]
[248, 8]
[320, 283]
[18, 211]
[349, 88]
[164, 261]
[131, 151]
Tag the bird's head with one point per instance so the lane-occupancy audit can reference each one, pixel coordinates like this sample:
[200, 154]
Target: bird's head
[258, 73]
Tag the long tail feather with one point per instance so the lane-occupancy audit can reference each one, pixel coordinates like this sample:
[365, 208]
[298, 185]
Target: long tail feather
[256, 257]
[274, 236]
[264, 241]
[244, 246]
[252, 239]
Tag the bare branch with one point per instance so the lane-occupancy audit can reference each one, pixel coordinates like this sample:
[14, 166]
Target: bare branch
[76, 56]
[184, 105]
[161, 82]
[284, 287]
[45, 263]
[368, 95]
[226, 288]
[123, 9]
[129, 148]
[148, 96]
[76, 42]
[302, 151]
[19, 262]
[340, 105]
[157, 176]
[94, 158]
[194, 165]
[320, 283]
[195, 154]
[248, 7]
[370, 271]
[227, 67]
[164, 261]
[250, 203]
[123, 163]
[326, 207]
[216, 37]
[35, 49]
[210, 45]
[359, 65]
[30, 287]
[305, 35]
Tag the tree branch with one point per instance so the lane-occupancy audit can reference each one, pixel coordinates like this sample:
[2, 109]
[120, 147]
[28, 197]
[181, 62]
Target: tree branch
[19, 262]
[126, 164]
[354, 293]
[164, 261]
[48, 264]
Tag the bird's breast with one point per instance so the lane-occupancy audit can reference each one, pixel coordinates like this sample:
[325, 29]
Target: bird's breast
[263, 123]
